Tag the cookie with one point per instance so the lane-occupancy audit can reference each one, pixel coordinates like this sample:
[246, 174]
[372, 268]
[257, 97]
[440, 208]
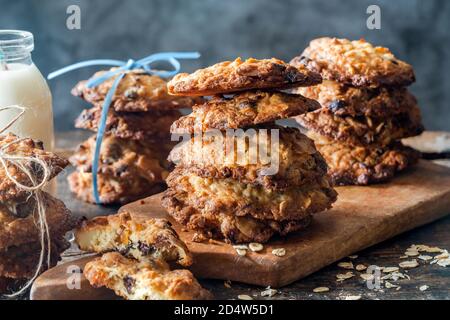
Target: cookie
[138, 238]
[20, 262]
[126, 125]
[350, 165]
[225, 225]
[243, 110]
[357, 63]
[230, 196]
[15, 231]
[238, 75]
[150, 280]
[344, 100]
[125, 159]
[113, 189]
[10, 193]
[362, 130]
[291, 158]
[138, 91]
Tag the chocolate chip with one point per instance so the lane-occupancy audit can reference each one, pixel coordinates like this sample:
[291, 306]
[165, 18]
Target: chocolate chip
[129, 283]
[131, 93]
[145, 248]
[335, 105]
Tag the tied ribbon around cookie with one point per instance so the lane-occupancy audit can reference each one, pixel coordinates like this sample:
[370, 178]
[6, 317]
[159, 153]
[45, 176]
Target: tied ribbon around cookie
[120, 72]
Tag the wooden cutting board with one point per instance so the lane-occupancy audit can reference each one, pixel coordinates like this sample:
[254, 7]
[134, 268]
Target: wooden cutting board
[362, 217]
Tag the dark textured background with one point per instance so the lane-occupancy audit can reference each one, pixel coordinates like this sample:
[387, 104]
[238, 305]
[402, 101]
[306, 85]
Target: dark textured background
[416, 31]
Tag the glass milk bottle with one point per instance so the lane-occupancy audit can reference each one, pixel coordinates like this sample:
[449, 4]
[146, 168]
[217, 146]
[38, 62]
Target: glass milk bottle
[22, 84]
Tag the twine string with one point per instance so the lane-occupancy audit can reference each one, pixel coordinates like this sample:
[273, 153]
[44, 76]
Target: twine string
[23, 163]
[123, 68]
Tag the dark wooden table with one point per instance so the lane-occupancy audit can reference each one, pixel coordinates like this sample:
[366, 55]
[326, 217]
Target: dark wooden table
[386, 254]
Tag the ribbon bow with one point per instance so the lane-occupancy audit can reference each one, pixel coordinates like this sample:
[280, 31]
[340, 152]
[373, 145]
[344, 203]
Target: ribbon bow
[123, 68]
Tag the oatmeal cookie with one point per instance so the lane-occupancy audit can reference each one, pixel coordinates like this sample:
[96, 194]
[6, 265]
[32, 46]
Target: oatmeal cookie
[138, 238]
[20, 262]
[138, 91]
[230, 196]
[349, 165]
[113, 189]
[225, 225]
[9, 192]
[127, 159]
[357, 63]
[363, 130]
[239, 75]
[149, 280]
[344, 100]
[126, 125]
[243, 110]
[294, 158]
[15, 231]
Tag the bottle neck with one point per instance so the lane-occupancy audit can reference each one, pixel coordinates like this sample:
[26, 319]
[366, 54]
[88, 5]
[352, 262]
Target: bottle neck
[15, 48]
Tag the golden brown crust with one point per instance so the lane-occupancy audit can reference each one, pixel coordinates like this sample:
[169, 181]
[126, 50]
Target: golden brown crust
[112, 189]
[126, 125]
[126, 159]
[138, 238]
[152, 280]
[349, 165]
[20, 262]
[344, 100]
[227, 226]
[9, 192]
[357, 63]
[15, 231]
[229, 196]
[363, 131]
[239, 75]
[137, 92]
[298, 160]
[243, 110]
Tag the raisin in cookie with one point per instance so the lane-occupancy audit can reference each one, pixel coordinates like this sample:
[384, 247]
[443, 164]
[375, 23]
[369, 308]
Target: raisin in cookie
[344, 100]
[240, 75]
[139, 280]
[243, 110]
[138, 91]
[138, 238]
[357, 63]
[290, 158]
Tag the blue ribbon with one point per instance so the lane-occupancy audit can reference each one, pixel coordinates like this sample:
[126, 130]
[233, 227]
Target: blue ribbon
[123, 67]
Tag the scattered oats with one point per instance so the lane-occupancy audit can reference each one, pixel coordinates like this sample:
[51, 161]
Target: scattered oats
[390, 269]
[353, 297]
[425, 257]
[409, 264]
[241, 247]
[404, 257]
[346, 265]
[434, 261]
[398, 288]
[269, 292]
[428, 249]
[395, 276]
[411, 253]
[354, 256]
[360, 267]
[444, 262]
[256, 247]
[366, 276]
[344, 276]
[321, 289]
[244, 297]
[279, 252]
[227, 284]
[423, 288]
[241, 252]
[389, 285]
[443, 255]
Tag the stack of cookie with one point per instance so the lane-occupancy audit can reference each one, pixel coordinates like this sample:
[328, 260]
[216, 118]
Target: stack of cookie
[136, 143]
[136, 256]
[366, 110]
[217, 188]
[22, 214]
